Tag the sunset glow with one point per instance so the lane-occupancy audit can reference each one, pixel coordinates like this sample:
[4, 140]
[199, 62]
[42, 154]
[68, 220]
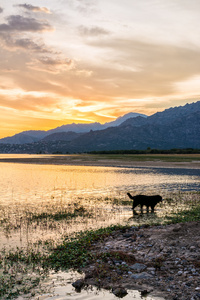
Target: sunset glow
[87, 61]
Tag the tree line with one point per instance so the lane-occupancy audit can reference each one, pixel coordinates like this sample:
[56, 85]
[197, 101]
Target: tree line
[149, 151]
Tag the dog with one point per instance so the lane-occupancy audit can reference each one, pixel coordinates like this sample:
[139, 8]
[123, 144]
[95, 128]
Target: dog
[148, 201]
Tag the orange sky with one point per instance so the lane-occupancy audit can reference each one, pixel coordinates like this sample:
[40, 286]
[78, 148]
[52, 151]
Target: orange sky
[94, 60]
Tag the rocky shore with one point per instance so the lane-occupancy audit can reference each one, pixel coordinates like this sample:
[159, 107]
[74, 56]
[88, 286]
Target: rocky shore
[156, 260]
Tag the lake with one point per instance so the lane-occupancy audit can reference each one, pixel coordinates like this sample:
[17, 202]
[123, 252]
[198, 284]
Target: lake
[41, 190]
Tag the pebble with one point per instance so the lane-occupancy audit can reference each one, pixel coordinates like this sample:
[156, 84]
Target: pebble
[142, 275]
[151, 269]
[179, 273]
[192, 248]
[138, 267]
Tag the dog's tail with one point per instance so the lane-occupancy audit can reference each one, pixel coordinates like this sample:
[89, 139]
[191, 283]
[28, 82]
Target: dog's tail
[131, 197]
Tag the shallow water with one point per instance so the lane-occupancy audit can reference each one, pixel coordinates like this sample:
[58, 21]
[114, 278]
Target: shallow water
[28, 189]
[59, 287]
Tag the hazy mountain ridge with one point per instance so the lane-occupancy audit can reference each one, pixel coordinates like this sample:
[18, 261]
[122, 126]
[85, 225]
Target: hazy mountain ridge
[61, 136]
[20, 138]
[177, 127]
[37, 135]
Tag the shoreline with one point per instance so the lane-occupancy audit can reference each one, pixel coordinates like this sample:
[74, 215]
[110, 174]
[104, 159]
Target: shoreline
[85, 160]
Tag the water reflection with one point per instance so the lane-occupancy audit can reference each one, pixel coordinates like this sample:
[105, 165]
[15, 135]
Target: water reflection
[31, 195]
[59, 287]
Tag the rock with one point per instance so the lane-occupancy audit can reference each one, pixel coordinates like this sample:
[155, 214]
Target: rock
[179, 273]
[130, 273]
[192, 248]
[142, 275]
[78, 284]
[138, 267]
[145, 292]
[150, 269]
[177, 228]
[127, 235]
[119, 292]
[197, 295]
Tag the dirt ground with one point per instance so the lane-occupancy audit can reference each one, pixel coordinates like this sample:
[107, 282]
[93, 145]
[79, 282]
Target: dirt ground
[156, 260]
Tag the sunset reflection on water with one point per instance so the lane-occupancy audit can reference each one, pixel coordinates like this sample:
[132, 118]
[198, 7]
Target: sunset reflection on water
[32, 193]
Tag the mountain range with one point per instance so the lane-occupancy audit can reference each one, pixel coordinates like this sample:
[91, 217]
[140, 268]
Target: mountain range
[32, 136]
[177, 127]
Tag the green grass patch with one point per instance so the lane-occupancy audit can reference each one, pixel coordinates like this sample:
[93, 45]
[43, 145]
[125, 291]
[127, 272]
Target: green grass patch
[62, 215]
[75, 252]
[190, 215]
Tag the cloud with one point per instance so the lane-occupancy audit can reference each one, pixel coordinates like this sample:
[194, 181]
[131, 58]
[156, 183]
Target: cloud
[51, 65]
[20, 23]
[93, 31]
[28, 44]
[138, 69]
[29, 101]
[34, 8]
[1, 10]
[11, 44]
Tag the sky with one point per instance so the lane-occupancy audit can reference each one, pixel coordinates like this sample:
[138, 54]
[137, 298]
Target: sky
[86, 61]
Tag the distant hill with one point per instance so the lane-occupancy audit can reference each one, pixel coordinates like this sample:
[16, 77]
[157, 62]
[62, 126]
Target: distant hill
[24, 137]
[61, 136]
[37, 135]
[122, 119]
[177, 127]
[20, 138]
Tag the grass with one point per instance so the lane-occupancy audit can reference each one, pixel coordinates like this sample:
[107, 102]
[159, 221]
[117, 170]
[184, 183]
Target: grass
[75, 252]
[193, 214]
[62, 215]
[20, 272]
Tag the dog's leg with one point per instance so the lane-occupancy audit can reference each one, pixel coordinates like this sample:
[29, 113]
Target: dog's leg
[152, 209]
[147, 209]
[141, 208]
[133, 208]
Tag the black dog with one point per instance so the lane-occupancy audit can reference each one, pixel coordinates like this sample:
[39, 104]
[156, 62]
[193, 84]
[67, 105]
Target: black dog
[148, 201]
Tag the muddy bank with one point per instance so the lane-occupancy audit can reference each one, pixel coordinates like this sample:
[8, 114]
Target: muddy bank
[156, 260]
[89, 160]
